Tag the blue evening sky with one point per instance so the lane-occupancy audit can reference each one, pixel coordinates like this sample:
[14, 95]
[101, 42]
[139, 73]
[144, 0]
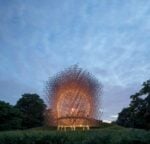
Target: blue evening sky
[108, 38]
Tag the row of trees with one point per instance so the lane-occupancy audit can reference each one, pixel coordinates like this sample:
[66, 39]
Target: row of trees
[27, 113]
[137, 115]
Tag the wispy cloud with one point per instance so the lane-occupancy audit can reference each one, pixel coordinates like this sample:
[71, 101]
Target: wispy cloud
[114, 116]
[108, 38]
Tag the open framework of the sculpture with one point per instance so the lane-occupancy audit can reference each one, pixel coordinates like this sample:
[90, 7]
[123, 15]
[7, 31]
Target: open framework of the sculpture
[74, 97]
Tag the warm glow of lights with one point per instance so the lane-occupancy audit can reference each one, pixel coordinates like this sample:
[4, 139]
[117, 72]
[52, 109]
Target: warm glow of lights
[73, 96]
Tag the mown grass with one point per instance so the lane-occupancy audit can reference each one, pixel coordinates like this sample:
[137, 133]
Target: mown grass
[109, 135]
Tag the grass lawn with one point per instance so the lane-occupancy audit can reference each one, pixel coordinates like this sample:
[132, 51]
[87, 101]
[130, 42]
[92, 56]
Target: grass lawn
[102, 135]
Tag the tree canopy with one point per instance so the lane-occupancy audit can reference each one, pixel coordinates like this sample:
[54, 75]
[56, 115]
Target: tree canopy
[137, 115]
[32, 107]
[10, 117]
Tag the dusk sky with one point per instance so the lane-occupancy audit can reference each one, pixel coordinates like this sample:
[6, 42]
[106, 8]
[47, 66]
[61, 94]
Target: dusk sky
[108, 38]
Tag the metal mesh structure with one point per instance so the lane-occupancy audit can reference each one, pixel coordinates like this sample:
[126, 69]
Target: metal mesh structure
[73, 98]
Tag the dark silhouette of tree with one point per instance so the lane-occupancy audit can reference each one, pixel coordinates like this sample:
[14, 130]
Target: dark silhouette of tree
[137, 115]
[32, 107]
[10, 117]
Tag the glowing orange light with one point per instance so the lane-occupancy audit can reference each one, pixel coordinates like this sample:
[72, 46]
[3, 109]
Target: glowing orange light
[73, 98]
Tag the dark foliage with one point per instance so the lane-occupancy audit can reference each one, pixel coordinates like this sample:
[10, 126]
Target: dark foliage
[10, 117]
[32, 107]
[137, 115]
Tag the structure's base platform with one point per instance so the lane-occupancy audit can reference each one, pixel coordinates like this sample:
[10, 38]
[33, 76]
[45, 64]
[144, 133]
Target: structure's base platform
[72, 127]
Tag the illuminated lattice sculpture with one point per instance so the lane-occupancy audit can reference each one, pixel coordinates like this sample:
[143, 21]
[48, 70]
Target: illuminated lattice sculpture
[74, 99]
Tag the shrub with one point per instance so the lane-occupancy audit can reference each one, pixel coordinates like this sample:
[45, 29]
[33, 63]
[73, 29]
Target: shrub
[96, 136]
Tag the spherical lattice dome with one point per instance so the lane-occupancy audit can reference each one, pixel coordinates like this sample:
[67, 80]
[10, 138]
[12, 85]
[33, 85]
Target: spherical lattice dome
[74, 97]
